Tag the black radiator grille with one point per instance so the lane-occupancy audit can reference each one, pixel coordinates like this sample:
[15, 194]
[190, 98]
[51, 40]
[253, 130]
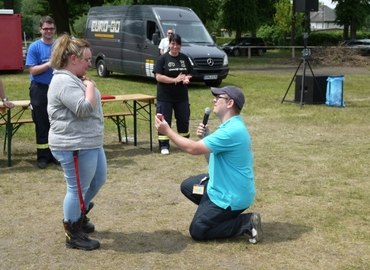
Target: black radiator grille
[202, 62]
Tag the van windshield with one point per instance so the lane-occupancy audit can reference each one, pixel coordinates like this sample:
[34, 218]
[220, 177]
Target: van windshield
[190, 32]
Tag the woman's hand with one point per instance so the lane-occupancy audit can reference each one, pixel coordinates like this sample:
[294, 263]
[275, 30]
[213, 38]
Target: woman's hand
[180, 78]
[87, 81]
[187, 79]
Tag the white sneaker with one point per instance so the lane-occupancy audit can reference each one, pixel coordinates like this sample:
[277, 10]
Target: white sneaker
[165, 151]
[256, 231]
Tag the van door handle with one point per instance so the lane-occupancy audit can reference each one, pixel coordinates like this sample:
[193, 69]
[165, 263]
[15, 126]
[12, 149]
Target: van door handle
[138, 46]
[146, 47]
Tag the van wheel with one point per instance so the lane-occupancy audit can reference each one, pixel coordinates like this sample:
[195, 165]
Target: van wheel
[236, 52]
[260, 52]
[101, 69]
[215, 83]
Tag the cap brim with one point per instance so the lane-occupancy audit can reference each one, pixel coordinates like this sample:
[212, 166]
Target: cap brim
[217, 91]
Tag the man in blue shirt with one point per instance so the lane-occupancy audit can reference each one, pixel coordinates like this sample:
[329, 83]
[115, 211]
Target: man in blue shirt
[38, 55]
[228, 189]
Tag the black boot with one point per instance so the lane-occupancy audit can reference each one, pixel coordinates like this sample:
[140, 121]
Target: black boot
[87, 226]
[76, 238]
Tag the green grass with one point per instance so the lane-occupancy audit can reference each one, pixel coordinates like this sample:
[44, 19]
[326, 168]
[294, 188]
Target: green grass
[311, 172]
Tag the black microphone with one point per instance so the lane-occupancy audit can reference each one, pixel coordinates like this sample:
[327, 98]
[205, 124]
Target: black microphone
[207, 111]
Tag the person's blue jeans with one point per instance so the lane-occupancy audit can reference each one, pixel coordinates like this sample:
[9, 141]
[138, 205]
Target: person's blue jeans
[92, 168]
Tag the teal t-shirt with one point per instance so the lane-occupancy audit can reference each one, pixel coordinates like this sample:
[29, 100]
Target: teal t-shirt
[231, 177]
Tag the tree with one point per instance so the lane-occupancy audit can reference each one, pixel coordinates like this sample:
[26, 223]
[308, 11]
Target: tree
[351, 14]
[66, 12]
[266, 10]
[9, 4]
[240, 17]
[294, 19]
[30, 22]
[284, 19]
[15, 5]
[205, 9]
[59, 12]
[247, 16]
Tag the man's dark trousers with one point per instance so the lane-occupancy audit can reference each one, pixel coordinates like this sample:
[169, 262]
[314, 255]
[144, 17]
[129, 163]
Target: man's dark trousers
[211, 221]
[39, 101]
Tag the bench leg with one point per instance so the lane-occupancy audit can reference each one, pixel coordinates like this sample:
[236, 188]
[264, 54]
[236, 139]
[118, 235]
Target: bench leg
[120, 122]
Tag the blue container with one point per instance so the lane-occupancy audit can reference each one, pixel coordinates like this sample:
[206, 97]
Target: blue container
[334, 91]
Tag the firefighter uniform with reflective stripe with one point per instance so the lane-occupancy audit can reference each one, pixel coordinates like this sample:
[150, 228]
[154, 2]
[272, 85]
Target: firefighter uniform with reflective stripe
[173, 97]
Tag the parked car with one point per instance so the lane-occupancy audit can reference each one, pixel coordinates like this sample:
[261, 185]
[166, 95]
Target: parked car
[233, 47]
[363, 45]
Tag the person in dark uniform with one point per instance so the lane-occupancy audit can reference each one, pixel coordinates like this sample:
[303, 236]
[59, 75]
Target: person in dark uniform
[41, 73]
[173, 73]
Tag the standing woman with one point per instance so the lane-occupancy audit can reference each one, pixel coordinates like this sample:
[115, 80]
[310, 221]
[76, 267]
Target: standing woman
[76, 126]
[173, 72]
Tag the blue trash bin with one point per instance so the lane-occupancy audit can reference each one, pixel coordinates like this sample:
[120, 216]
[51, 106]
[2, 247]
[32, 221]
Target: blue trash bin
[334, 91]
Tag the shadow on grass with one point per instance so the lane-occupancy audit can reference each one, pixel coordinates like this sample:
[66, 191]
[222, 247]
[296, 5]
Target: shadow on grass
[164, 241]
[170, 241]
[276, 232]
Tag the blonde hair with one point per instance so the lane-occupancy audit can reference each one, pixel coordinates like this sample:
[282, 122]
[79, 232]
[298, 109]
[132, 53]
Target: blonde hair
[64, 47]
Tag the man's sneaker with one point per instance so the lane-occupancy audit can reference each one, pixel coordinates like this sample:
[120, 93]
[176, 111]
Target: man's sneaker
[42, 164]
[165, 151]
[256, 229]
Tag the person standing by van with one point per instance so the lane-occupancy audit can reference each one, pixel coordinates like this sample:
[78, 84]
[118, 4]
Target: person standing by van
[41, 73]
[173, 73]
[165, 42]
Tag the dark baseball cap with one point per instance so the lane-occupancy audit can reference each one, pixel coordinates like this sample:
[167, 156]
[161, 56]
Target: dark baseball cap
[233, 92]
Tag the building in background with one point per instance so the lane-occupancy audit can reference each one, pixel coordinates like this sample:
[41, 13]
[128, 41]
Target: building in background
[323, 19]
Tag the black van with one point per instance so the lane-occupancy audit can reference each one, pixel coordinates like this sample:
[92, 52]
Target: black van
[126, 38]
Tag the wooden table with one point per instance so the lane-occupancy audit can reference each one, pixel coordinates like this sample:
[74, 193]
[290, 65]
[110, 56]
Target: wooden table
[142, 106]
[12, 123]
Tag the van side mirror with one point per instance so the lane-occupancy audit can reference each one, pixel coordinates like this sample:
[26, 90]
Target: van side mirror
[214, 38]
[155, 39]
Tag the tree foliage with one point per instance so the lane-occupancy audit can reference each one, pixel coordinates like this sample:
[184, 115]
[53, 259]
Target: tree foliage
[351, 14]
[240, 16]
[205, 9]
[15, 5]
[247, 16]
[276, 17]
[66, 12]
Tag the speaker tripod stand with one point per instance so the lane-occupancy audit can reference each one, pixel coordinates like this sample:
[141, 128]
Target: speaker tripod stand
[305, 62]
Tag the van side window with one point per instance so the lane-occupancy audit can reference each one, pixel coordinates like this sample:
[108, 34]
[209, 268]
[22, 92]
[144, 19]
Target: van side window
[151, 28]
[133, 27]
